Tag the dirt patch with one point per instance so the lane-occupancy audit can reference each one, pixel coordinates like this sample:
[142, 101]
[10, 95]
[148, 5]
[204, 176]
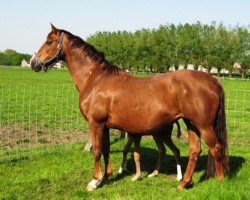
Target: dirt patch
[13, 136]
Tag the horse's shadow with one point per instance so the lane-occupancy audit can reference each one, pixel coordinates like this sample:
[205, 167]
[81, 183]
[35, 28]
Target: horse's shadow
[149, 158]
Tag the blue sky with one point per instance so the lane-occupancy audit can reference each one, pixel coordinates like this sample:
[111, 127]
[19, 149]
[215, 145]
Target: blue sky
[25, 24]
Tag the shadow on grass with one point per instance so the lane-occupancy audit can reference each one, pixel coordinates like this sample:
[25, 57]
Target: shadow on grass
[149, 158]
[14, 161]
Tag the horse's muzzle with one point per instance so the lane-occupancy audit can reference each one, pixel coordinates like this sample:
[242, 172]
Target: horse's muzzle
[36, 64]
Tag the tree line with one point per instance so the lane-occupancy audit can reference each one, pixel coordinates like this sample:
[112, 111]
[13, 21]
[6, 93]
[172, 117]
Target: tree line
[170, 45]
[10, 57]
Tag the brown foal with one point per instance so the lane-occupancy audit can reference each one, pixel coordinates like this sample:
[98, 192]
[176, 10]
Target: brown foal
[159, 139]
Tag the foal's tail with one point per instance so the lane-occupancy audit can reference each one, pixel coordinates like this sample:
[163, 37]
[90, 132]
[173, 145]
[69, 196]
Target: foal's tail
[221, 133]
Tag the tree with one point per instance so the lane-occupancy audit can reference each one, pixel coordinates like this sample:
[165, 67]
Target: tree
[243, 49]
[12, 58]
[171, 45]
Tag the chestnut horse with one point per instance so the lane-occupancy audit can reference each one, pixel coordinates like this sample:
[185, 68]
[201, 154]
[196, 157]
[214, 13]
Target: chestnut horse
[111, 98]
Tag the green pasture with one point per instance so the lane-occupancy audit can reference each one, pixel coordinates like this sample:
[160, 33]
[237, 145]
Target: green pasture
[40, 105]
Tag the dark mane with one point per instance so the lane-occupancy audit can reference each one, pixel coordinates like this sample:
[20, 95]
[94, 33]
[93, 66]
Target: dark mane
[90, 51]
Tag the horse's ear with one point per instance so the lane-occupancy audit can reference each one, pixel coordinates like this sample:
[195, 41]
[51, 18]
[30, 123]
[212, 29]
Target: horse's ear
[53, 28]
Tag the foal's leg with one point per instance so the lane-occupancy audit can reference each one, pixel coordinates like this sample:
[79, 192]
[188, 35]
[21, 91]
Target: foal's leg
[96, 131]
[162, 153]
[194, 152]
[106, 150]
[125, 152]
[137, 140]
[122, 134]
[178, 129]
[168, 141]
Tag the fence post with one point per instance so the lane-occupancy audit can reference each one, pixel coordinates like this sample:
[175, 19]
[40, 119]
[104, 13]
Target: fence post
[88, 146]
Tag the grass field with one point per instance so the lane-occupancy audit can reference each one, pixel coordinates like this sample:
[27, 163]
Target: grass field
[62, 171]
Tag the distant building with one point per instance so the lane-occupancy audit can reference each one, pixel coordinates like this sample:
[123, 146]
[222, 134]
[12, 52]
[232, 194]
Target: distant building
[224, 71]
[25, 63]
[58, 65]
[236, 68]
[171, 69]
[202, 69]
[213, 70]
[181, 67]
[190, 67]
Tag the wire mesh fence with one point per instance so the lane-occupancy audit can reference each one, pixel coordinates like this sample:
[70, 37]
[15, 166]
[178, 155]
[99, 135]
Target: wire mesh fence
[44, 114]
[238, 111]
[39, 114]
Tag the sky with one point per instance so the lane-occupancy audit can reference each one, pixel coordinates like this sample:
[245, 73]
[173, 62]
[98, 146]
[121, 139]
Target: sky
[24, 24]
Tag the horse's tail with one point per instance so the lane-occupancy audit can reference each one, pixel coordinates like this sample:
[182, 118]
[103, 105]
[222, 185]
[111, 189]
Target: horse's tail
[221, 133]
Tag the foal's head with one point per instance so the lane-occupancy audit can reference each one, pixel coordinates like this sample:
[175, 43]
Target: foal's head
[50, 52]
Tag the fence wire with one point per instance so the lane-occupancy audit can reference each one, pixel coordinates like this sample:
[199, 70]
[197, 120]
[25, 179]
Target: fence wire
[238, 111]
[39, 114]
[43, 114]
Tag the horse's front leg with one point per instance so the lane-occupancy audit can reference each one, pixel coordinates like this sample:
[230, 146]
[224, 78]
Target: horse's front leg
[106, 155]
[96, 132]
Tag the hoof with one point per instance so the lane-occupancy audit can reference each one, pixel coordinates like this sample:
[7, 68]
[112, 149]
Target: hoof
[155, 173]
[181, 187]
[220, 178]
[135, 178]
[90, 188]
[93, 185]
[105, 179]
[184, 185]
[120, 170]
[179, 178]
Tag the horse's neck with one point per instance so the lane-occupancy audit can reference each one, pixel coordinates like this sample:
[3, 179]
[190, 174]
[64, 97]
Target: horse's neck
[82, 69]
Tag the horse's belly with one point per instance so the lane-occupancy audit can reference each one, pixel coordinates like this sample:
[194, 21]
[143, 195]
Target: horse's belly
[140, 122]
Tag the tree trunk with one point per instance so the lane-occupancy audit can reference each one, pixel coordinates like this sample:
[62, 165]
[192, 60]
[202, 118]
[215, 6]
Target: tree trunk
[242, 73]
[230, 73]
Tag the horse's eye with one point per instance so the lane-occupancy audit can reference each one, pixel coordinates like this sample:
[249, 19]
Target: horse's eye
[49, 42]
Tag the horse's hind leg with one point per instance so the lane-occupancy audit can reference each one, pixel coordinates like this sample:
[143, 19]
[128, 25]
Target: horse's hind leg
[137, 140]
[194, 152]
[215, 150]
[162, 153]
[168, 141]
[125, 152]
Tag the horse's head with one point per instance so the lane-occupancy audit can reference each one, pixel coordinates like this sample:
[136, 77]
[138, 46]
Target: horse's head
[50, 51]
